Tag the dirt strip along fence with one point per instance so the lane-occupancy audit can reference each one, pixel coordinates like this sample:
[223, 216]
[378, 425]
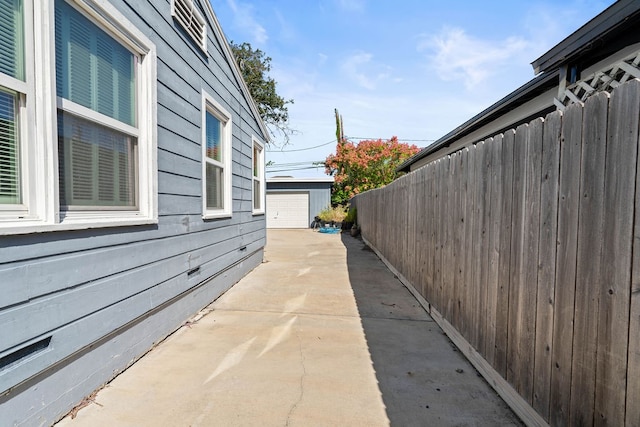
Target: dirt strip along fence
[528, 244]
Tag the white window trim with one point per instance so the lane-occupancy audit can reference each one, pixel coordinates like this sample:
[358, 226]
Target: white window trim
[209, 104]
[40, 149]
[31, 210]
[260, 177]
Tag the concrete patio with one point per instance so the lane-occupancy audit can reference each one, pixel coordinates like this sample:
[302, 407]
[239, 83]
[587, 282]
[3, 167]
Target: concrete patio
[320, 334]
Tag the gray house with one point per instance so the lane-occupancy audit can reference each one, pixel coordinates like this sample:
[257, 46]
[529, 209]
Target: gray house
[294, 202]
[132, 188]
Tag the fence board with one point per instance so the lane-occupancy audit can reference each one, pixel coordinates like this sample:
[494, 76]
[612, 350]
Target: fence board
[494, 249]
[460, 237]
[613, 312]
[465, 291]
[546, 263]
[504, 267]
[447, 253]
[568, 202]
[477, 301]
[406, 254]
[439, 232]
[531, 226]
[420, 246]
[430, 222]
[588, 260]
[517, 253]
[485, 249]
[632, 417]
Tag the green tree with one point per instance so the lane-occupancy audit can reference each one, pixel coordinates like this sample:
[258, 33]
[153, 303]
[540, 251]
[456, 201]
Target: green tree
[364, 166]
[255, 66]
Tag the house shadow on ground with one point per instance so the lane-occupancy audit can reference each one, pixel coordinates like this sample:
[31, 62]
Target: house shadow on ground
[423, 378]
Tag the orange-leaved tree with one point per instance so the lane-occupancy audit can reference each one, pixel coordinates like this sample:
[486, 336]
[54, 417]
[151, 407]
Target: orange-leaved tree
[364, 166]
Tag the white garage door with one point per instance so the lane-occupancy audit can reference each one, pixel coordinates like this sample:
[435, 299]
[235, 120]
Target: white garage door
[287, 210]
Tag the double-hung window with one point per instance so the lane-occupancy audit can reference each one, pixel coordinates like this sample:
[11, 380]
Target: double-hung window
[100, 140]
[16, 81]
[258, 177]
[216, 155]
[83, 152]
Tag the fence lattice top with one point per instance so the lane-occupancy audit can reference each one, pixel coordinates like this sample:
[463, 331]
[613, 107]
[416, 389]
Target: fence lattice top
[603, 80]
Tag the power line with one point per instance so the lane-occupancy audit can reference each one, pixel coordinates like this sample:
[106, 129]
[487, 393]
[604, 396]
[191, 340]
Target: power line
[277, 165]
[302, 149]
[399, 139]
[294, 169]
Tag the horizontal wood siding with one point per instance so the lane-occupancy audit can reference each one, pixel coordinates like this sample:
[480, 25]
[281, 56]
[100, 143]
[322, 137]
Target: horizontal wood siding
[81, 287]
[527, 245]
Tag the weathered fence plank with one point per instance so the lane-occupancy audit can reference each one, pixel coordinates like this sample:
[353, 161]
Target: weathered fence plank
[514, 364]
[588, 276]
[420, 241]
[476, 303]
[485, 218]
[546, 262]
[527, 319]
[457, 239]
[461, 239]
[437, 259]
[632, 417]
[502, 315]
[447, 253]
[431, 234]
[493, 250]
[466, 292]
[613, 311]
[568, 202]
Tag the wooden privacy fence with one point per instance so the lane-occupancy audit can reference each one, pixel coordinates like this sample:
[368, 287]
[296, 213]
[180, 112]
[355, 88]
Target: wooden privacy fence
[528, 244]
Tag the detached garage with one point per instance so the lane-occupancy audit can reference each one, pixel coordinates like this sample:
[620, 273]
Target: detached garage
[294, 202]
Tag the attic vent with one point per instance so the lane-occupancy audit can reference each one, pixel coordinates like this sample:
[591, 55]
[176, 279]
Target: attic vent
[185, 12]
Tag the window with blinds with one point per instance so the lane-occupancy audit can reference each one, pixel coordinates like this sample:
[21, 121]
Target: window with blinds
[9, 150]
[12, 67]
[258, 178]
[95, 75]
[101, 142]
[214, 166]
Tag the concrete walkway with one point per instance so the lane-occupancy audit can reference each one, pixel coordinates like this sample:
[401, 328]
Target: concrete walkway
[321, 334]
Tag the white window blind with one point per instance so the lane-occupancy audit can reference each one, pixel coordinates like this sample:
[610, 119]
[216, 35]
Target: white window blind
[93, 70]
[257, 177]
[12, 38]
[214, 167]
[12, 65]
[9, 158]
[97, 164]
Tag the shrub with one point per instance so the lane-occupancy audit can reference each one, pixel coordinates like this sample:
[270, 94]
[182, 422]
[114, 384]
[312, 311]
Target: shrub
[352, 215]
[336, 214]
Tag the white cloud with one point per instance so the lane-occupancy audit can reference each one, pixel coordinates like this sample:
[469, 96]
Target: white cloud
[352, 5]
[457, 56]
[244, 19]
[363, 71]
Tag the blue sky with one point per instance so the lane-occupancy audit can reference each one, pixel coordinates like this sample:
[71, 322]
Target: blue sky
[409, 68]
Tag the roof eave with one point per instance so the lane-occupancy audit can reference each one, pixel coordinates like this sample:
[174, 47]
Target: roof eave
[476, 121]
[611, 18]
